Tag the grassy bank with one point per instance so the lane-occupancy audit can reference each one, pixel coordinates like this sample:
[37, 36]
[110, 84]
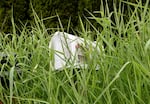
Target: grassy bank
[123, 76]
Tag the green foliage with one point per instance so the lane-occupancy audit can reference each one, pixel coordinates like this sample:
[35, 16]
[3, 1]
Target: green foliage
[123, 76]
[20, 10]
[5, 14]
[66, 10]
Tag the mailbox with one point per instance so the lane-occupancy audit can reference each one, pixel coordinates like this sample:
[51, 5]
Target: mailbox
[69, 50]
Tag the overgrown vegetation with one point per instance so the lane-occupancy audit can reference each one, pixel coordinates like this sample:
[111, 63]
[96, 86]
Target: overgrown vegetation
[66, 10]
[123, 76]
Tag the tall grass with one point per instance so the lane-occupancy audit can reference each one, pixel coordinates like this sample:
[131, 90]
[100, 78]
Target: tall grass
[123, 76]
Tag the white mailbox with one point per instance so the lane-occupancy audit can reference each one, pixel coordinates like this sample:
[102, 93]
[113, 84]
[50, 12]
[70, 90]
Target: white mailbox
[69, 50]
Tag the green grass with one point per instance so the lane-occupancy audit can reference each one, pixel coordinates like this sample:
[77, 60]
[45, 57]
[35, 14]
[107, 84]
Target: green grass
[123, 77]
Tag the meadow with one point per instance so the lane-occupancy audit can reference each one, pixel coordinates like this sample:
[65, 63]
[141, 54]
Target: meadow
[124, 64]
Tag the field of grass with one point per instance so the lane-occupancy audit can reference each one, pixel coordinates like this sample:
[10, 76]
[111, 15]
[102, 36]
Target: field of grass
[123, 76]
